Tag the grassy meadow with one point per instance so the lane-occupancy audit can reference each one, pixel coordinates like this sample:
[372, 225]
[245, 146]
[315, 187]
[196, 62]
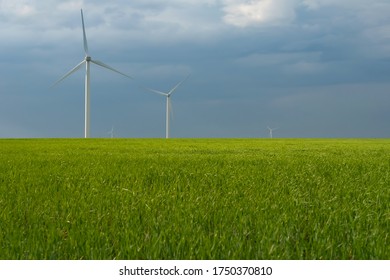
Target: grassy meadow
[194, 199]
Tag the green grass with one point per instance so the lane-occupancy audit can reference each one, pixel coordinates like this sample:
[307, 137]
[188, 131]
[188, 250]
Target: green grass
[194, 199]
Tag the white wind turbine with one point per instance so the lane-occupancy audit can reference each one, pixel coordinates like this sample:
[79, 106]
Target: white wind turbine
[87, 60]
[111, 132]
[169, 105]
[271, 130]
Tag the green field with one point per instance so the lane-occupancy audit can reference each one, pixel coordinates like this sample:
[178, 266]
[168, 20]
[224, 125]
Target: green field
[194, 199]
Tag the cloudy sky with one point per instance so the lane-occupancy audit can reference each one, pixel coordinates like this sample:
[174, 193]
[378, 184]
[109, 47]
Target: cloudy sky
[311, 68]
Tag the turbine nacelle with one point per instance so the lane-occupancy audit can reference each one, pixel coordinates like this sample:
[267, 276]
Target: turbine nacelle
[88, 58]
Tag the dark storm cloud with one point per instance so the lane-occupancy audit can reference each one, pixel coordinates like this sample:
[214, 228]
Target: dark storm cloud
[252, 64]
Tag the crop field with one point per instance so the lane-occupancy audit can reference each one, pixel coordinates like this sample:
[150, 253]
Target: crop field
[194, 199]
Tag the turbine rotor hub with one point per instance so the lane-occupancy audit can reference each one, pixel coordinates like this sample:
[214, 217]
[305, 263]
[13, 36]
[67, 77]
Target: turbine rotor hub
[88, 58]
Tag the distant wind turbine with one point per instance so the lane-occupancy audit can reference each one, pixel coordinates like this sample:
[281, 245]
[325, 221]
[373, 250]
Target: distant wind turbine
[271, 130]
[169, 104]
[111, 132]
[87, 60]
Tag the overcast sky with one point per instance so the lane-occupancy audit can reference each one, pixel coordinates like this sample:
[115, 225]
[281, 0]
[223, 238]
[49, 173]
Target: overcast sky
[311, 68]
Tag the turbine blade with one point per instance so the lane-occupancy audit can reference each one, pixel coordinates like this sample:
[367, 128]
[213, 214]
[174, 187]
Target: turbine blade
[110, 68]
[77, 67]
[175, 87]
[156, 91]
[84, 35]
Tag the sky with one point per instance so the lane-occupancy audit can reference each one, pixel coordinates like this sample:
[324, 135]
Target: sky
[310, 68]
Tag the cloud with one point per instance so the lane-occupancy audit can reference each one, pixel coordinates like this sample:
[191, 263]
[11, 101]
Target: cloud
[19, 8]
[233, 48]
[257, 12]
[304, 68]
[284, 12]
[277, 58]
[317, 4]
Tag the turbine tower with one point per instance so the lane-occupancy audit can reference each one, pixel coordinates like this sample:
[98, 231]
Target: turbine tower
[87, 61]
[111, 132]
[169, 104]
[270, 131]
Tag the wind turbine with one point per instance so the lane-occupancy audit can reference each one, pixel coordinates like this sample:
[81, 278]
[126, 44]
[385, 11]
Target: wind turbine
[270, 131]
[111, 132]
[87, 61]
[169, 104]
